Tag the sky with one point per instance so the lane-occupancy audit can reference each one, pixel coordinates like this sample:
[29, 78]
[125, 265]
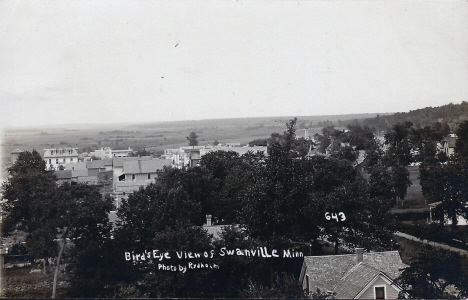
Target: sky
[66, 62]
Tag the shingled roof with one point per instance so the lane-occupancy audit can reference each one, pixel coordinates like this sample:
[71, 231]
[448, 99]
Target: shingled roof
[144, 166]
[95, 164]
[63, 174]
[347, 277]
[119, 161]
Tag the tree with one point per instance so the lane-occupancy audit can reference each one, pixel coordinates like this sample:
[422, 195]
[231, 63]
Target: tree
[424, 140]
[398, 156]
[433, 272]
[84, 218]
[289, 136]
[35, 204]
[461, 145]
[446, 183]
[259, 142]
[29, 204]
[192, 138]
[399, 146]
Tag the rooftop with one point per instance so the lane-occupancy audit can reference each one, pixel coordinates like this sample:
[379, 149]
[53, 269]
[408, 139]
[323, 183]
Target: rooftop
[60, 152]
[119, 161]
[63, 174]
[346, 276]
[94, 164]
[144, 166]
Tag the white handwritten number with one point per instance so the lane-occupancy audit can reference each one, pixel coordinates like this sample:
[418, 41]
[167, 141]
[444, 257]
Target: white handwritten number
[343, 217]
[335, 216]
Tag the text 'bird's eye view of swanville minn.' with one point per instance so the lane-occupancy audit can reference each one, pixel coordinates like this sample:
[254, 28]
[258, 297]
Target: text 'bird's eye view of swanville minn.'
[339, 207]
[234, 149]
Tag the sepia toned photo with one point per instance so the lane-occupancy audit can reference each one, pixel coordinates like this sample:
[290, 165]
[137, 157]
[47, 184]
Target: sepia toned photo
[234, 149]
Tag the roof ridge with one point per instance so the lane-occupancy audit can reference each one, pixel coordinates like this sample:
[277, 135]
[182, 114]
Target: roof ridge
[352, 254]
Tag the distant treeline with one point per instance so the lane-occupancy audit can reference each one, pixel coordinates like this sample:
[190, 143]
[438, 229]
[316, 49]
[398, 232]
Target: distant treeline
[451, 114]
[118, 132]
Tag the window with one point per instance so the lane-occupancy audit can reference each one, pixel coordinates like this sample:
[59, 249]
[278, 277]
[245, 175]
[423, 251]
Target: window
[64, 160]
[133, 176]
[379, 292]
[71, 159]
[122, 177]
[50, 161]
[149, 176]
[56, 161]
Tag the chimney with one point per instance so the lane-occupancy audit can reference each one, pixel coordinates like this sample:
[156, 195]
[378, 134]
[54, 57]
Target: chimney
[208, 220]
[359, 254]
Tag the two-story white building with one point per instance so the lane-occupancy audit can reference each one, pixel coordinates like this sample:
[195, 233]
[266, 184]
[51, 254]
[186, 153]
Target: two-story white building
[55, 158]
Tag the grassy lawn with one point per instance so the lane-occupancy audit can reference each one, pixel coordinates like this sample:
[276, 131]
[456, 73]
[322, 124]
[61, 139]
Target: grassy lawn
[21, 283]
[409, 249]
[414, 197]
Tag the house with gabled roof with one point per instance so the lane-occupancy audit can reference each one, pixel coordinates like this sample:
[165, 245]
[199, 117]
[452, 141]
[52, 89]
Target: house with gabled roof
[353, 276]
[135, 173]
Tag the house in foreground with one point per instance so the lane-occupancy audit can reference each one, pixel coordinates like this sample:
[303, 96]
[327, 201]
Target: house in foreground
[353, 276]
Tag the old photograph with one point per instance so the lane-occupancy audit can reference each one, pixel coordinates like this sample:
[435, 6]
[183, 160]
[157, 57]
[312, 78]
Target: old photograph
[234, 149]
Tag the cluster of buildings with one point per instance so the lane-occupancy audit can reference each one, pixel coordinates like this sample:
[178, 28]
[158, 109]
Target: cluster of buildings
[189, 156]
[118, 172]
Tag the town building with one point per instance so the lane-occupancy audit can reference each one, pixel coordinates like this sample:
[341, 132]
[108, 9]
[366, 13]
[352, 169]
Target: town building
[353, 276]
[449, 144]
[170, 153]
[122, 153]
[190, 156]
[14, 155]
[63, 176]
[60, 157]
[134, 175]
[215, 230]
[435, 216]
[107, 152]
[118, 162]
